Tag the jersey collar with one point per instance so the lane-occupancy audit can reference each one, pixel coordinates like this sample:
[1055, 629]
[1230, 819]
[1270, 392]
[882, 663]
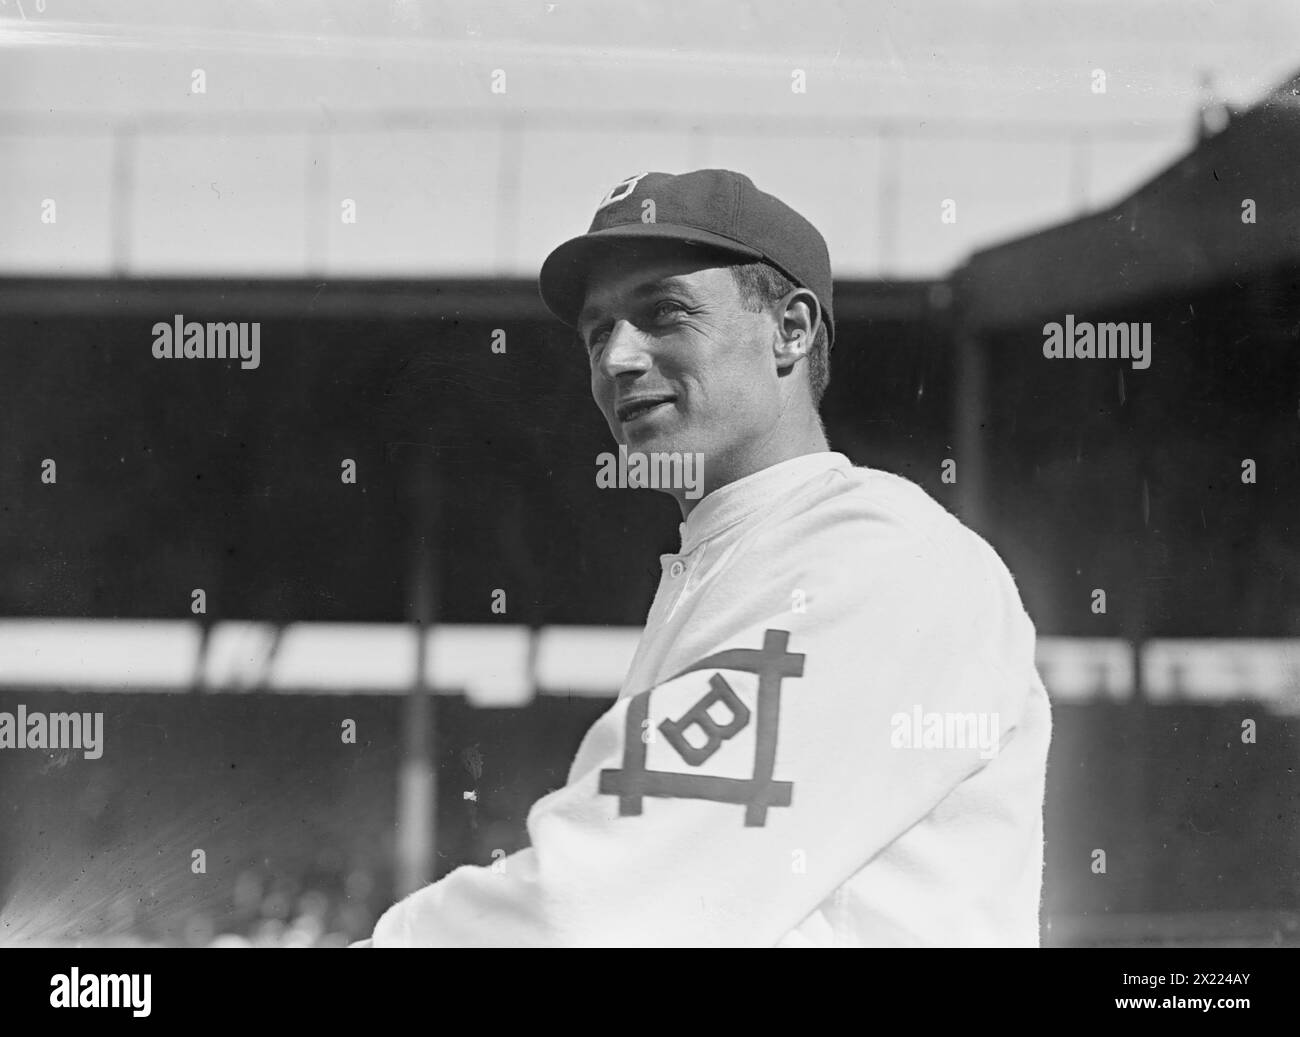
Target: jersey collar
[733, 503]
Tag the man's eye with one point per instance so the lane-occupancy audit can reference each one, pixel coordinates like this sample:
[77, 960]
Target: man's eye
[667, 308]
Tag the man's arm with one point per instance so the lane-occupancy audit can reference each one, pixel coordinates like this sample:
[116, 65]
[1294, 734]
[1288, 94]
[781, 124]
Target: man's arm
[722, 806]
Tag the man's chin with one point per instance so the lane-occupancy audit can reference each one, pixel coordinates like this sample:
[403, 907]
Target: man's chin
[654, 443]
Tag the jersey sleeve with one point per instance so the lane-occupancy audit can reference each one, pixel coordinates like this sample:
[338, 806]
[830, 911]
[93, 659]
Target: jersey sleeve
[721, 806]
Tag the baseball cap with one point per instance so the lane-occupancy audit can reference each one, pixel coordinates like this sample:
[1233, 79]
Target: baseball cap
[708, 207]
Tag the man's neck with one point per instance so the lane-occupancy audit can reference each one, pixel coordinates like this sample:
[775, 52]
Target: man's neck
[776, 449]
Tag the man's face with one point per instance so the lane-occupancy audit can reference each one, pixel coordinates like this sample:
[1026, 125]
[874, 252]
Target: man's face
[677, 362]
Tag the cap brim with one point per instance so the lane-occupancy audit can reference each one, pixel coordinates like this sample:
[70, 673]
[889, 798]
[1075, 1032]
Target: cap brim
[563, 277]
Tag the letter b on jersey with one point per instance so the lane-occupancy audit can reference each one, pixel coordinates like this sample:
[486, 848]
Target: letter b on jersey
[631, 783]
[698, 716]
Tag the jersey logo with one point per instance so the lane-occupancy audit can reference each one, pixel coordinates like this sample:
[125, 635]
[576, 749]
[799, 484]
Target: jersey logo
[620, 190]
[772, 664]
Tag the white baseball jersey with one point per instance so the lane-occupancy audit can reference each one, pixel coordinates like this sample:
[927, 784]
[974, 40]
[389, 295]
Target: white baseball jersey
[832, 734]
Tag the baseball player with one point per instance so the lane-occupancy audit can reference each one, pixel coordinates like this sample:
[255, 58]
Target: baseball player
[832, 732]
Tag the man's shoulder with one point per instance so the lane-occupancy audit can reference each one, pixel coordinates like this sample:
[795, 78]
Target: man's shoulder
[854, 518]
[857, 502]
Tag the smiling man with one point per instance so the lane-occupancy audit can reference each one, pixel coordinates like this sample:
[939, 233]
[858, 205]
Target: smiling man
[670, 333]
[832, 732]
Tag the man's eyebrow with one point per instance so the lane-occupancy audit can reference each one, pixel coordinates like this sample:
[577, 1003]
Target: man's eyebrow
[671, 282]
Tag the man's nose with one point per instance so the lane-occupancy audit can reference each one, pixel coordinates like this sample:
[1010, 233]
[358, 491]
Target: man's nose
[625, 350]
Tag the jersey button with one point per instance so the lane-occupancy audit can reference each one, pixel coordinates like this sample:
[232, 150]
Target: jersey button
[676, 569]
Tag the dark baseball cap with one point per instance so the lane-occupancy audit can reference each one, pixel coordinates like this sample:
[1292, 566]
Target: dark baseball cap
[715, 208]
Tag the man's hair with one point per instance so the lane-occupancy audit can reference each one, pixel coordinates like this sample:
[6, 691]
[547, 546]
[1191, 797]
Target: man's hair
[761, 285]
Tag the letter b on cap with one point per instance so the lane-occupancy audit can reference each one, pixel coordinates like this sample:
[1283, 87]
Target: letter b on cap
[620, 191]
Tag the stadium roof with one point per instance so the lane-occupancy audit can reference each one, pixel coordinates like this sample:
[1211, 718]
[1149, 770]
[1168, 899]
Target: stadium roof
[1184, 229]
[301, 298]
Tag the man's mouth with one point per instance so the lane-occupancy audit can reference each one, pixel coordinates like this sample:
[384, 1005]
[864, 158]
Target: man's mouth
[639, 407]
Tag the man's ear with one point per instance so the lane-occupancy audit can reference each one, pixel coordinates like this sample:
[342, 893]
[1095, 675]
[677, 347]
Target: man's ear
[799, 316]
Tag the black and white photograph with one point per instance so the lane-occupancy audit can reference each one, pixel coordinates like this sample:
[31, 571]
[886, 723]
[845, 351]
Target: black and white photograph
[711, 474]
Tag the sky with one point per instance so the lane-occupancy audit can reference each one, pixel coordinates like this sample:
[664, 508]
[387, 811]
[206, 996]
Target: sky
[469, 138]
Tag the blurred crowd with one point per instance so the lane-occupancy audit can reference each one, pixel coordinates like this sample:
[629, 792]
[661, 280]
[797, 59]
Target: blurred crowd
[277, 912]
